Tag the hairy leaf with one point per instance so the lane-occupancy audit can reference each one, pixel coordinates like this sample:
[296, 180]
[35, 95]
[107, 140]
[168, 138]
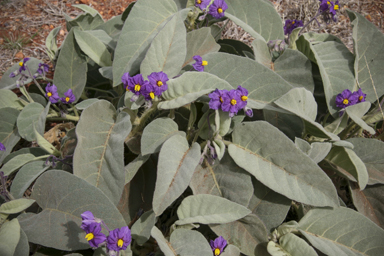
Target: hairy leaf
[32, 117]
[176, 164]
[9, 135]
[9, 237]
[190, 243]
[141, 230]
[98, 156]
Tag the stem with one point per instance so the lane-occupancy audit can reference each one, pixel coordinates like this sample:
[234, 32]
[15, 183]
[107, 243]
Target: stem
[344, 134]
[309, 22]
[57, 117]
[34, 80]
[74, 110]
[24, 91]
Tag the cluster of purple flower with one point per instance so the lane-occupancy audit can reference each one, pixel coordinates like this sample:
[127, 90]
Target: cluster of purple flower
[328, 10]
[230, 101]
[290, 25]
[53, 95]
[218, 245]
[348, 98]
[216, 9]
[42, 70]
[117, 240]
[156, 85]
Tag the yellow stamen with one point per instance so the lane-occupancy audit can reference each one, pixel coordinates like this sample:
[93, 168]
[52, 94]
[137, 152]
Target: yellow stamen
[219, 10]
[67, 99]
[361, 98]
[293, 22]
[345, 101]
[244, 98]
[137, 87]
[152, 95]
[120, 243]
[204, 63]
[233, 102]
[217, 251]
[89, 236]
[328, 2]
[336, 7]
[221, 100]
[127, 89]
[159, 83]
[49, 94]
[198, 1]
[21, 63]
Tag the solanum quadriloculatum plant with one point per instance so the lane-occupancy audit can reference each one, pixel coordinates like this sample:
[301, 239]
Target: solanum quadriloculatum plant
[169, 140]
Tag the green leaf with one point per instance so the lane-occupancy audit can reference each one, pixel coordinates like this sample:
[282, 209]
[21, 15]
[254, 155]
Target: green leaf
[9, 83]
[16, 206]
[9, 237]
[93, 47]
[9, 135]
[263, 84]
[261, 52]
[44, 144]
[164, 245]
[103, 37]
[233, 46]
[190, 243]
[71, 68]
[189, 87]
[141, 230]
[61, 197]
[132, 168]
[271, 207]
[280, 165]
[248, 234]
[34, 151]
[258, 14]
[335, 62]
[112, 27]
[368, 47]
[349, 163]
[9, 99]
[175, 167]
[295, 68]
[200, 42]
[209, 209]
[369, 202]
[168, 49]
[18, 161]
[370, 151]
[301, 102]
[291, 245]
[355, 112]
[231, 250]
[138, 33]
[293, 37]
[30, 118]
[291, 125]
[86, 103]
[84, 21]
[99, 154]
[51, 43]
[25, 176]
[87, 9]
[224, 179]
[22, 247]
[156, 133]
[317, 151]
[342, 231]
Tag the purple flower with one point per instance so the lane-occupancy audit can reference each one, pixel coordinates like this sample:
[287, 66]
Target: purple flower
[87, 218]
[14, 73]
[135, 84]
[231, 102]
[119, 239]
[149, 92]
[22, 64]
[52, 93]
[218, 245]
[216, 98]
[200, 63]
[124, 80]
[328, 10]
[2, 147]
[360, 95]
[217, 9]
[290, 25]
[346, 98]
[94, 235]
[202, 4]
[69, 97]
[43, 68]
[243, 93]
[159, 82]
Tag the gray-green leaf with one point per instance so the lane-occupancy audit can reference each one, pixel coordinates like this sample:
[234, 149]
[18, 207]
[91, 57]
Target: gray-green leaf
[32, 117]
[209, 209]
[189, 243]
[99, 154]
[9, 135]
